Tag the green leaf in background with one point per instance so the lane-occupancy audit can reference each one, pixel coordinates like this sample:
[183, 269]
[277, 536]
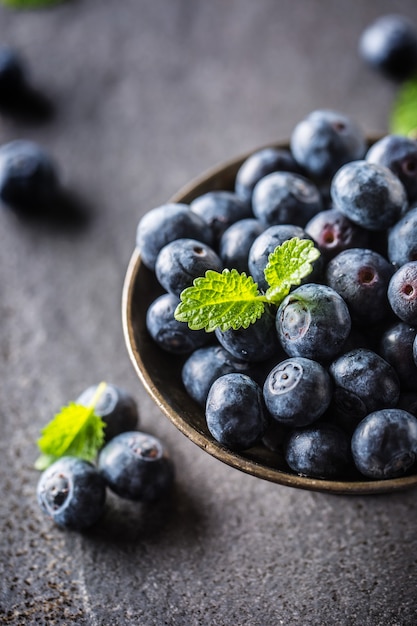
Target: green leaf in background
[403, 119]
[28, 4]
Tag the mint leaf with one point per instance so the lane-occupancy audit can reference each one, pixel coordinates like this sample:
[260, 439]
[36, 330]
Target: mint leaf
[233, 300]
[226, 300]
[403, 118]
[28, 4]
[287, 265]
[75, 431]
[44, 461]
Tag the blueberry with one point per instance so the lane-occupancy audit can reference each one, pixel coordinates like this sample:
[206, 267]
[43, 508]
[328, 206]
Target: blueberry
[333, 232]
[399, 154]
[72, 493]
[181, 261]
[258, 165]
[396, 347]
[28, 177]
[170, 335]
[318, 451]
[313, 321]
[275, 436]
[389, 45]
[255, 343]
[384, 444]
[297, 391]
[115, 406]
[220, 209]
[235, 411]
[165, 223]
[136, 466]
[285, 198]
[324, 141]
[12, 72]
[402, 239]
[361, 277]
[204, 366]
[408, 402]
[402, 293]
[369, 194]
[266, 243]
[236, 242]
[415, 350]
[363, 382]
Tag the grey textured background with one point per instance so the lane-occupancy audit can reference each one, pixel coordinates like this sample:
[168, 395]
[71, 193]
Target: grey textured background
[147, 95]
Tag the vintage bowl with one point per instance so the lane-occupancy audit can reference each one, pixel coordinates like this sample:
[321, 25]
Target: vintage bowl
[160, 372]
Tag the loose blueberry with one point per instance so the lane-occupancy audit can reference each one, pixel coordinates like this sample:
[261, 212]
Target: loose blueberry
[12, 73]
[324, 141]
[115, 406]
[318, 451]
[72, 493]
[136, 466]
[361, 277]
[369, 194]
[384, 444]
[235, 412]
[297, 391]
[181, 261]
[28, 177]
[389, 45]
[171, 335]
[313, 321]
[164, 224]
[402, 293]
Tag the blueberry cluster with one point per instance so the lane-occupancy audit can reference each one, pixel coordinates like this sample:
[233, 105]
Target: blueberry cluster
[328, 378]
[132, 464]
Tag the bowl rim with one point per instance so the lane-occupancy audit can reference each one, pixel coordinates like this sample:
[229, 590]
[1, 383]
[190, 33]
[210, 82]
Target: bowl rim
[234, 459]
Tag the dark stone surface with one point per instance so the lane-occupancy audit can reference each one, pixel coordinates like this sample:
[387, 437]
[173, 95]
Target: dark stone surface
[145, 96]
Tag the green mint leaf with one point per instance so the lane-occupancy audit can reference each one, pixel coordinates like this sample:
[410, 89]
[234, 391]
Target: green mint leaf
[226, 300]
[287, 265]
[75, 431]
[403, 118]
[44, 461]
[28, 4]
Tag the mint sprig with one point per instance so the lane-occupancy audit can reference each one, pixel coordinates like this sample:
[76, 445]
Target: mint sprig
[232, 300]
[75, 431]
[403, 117]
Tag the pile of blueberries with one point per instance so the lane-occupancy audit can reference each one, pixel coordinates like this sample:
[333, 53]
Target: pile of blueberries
[328, 379]
[132, 464]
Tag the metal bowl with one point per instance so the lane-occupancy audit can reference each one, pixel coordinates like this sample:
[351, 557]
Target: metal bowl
[160, 372]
